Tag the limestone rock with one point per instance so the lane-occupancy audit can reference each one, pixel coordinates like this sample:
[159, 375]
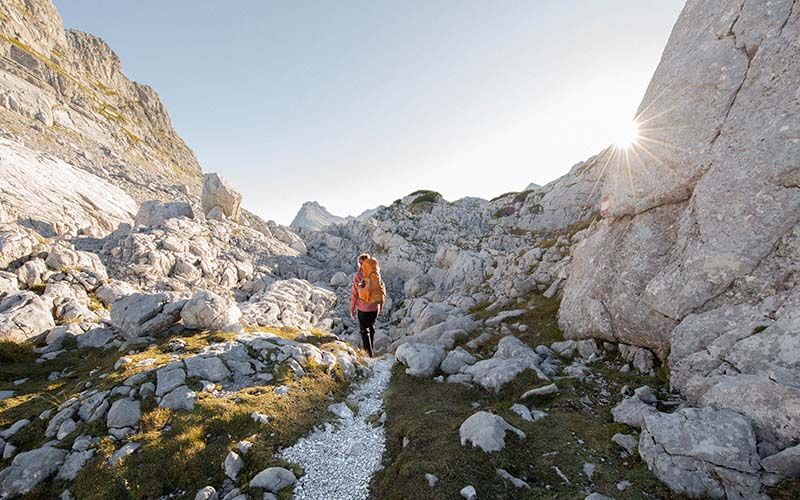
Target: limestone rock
[633, 411]
[785, 463]
[232, 465]
[24, 315]
[421, 359]
[139, 315]
[339, 280]
[511, 358]
[208, 311]
[486, 431]
[207, 368]
[314, 216]
[182, 398]
[455, 360]
[29, 468]
[219, 193]
[273, 479]
[702, 452]
[154, 213]
[124, 413]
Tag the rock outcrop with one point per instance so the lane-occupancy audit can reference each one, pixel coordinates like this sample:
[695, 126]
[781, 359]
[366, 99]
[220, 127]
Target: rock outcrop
[698, 250]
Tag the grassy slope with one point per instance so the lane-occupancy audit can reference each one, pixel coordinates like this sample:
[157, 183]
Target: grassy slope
[181, 451]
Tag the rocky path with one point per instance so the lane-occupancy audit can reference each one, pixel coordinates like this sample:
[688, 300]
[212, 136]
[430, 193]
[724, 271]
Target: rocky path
[340, 458]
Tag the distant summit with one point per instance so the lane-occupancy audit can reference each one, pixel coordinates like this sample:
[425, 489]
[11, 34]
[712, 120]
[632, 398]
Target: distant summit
[532, 186]
[314, 216]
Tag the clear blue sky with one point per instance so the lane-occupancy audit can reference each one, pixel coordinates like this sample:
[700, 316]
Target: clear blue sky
[355, 104]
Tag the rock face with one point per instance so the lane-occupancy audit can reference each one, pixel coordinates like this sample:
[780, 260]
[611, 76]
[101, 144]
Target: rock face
[54, 80]
[702, 229]
[55, 197]
[219, 196]
[314, 216]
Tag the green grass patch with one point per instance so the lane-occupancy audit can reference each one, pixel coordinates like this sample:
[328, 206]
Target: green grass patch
[429, 414]
[181, 451]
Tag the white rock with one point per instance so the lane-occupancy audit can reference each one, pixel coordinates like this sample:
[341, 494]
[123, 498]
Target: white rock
[455, 360]
[23, 315]
[154, 213]
[127, 449]
[232, 465]
[140, 315]
[518, 483]
[29, 468]
[209, 311]
[208, 368]
[339, 280]
[273, 479]
[469, 493]
[486, 431]
[182, 398]
[124, 413]
[218, 193]
[207, 493]
[421, 359]
[168, 378]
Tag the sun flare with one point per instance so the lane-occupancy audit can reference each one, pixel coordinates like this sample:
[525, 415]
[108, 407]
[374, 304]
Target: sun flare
[627, 135]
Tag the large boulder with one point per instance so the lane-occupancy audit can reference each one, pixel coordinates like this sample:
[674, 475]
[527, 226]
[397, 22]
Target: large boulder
[209, 311]
[140, 315]
[703, 453]
[217, 192]
[421, 359]
[154, 213]
[24, 315]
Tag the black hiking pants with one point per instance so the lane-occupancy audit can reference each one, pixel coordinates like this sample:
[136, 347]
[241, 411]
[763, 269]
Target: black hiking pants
[366, 321]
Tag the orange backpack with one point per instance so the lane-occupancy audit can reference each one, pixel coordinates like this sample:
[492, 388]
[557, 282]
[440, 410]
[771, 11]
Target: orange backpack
[372, 291]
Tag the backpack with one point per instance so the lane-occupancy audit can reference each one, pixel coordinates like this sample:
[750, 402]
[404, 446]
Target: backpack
[370, 288]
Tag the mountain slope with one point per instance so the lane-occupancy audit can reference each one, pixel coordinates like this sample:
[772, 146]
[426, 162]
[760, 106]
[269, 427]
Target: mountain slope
[63, 92]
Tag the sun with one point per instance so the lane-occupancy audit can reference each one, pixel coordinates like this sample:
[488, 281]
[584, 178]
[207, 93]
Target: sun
[627, 135]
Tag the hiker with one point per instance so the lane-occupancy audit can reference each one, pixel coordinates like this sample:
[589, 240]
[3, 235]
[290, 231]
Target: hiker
[366, 298]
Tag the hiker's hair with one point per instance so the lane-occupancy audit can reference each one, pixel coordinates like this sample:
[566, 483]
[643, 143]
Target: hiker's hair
[363, 257]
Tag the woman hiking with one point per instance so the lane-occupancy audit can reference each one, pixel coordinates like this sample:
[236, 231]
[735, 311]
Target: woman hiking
[366, 298]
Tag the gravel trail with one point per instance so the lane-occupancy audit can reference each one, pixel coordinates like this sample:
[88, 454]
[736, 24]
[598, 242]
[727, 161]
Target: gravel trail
[339, 459]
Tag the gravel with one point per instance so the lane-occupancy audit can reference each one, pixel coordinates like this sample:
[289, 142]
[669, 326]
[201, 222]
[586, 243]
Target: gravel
[339, 459]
